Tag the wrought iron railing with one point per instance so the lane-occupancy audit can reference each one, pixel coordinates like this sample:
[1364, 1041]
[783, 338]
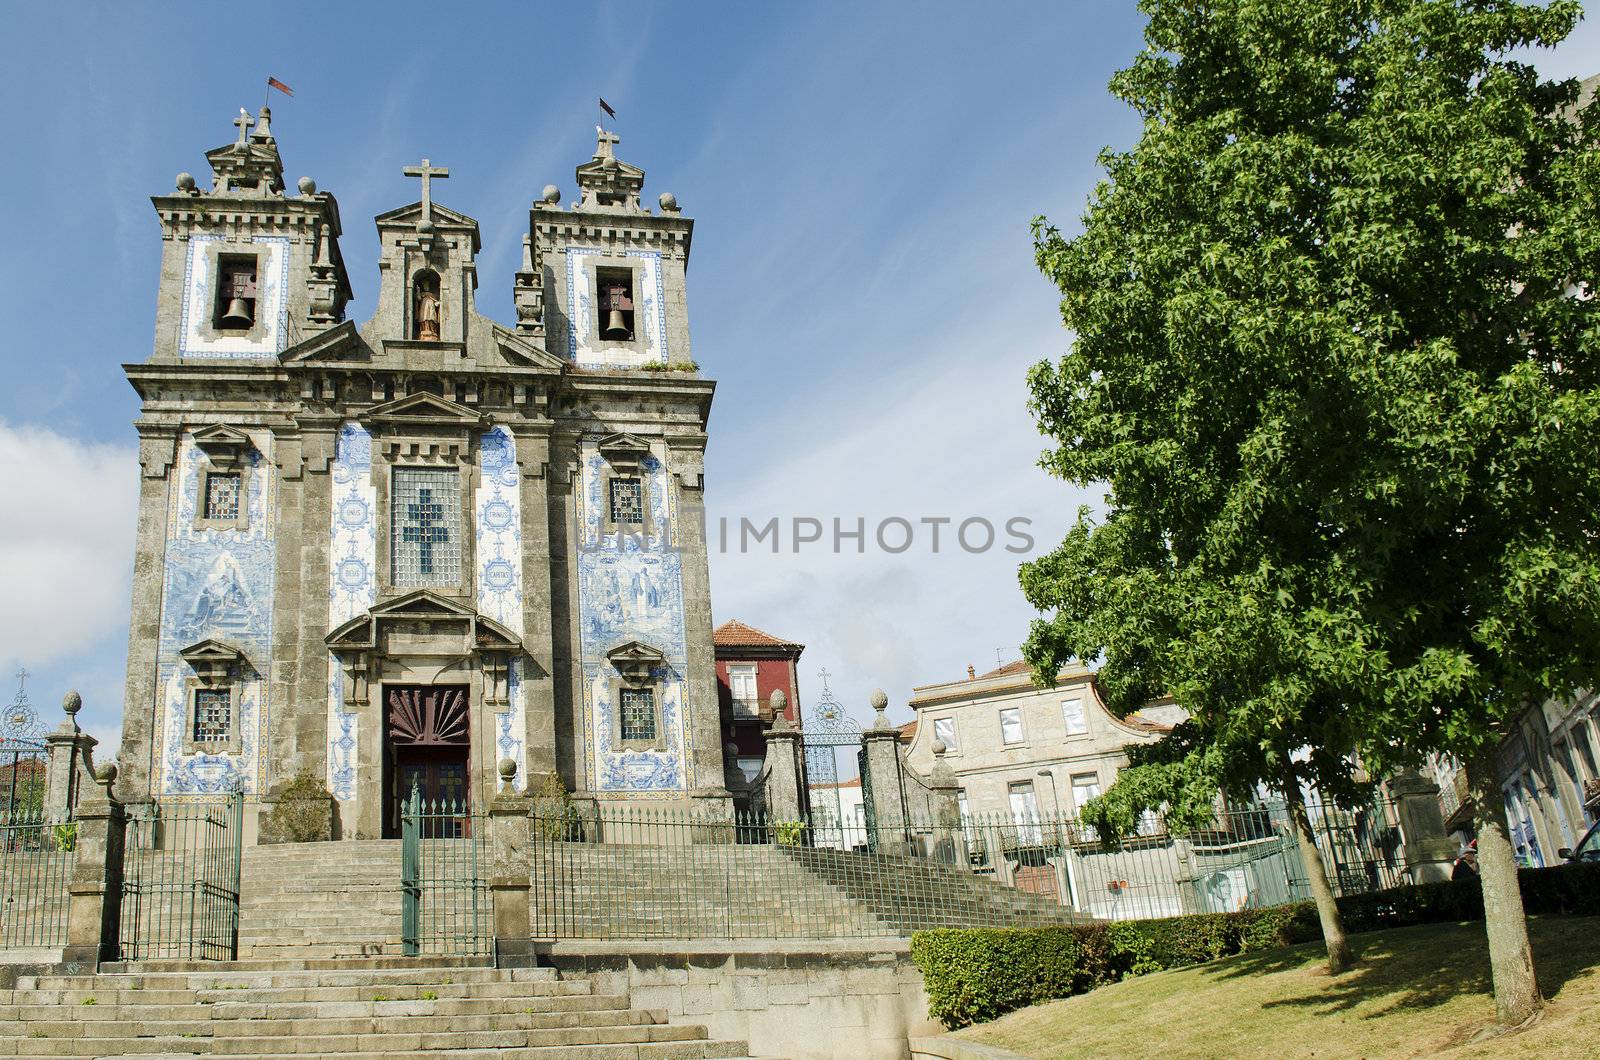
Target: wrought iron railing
[180, 881]
[628, 872]
[36, 860]
[444, 859]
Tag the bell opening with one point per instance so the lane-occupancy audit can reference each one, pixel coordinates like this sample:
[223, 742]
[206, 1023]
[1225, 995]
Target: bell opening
[236, 292]
[616, 303]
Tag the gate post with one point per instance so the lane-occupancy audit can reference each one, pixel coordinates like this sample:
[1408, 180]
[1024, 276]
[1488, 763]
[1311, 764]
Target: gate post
[882, 744]
[510, 871]
[94, 909]
[1425, 847]
[949, 840]
[783, 802]
[70, 762]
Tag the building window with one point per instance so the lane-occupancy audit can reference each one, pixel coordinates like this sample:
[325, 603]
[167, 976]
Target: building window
[425, 539]
[1011, 725]
[614, 288]
[963, 807]
[222, 496]
[627, 502]
[1072, 714]
[742, 681]
[1085, 786]
[235, 308]
[638, 714]
[1024, 810]
[213, 715]
[945, 729]
[749, 768]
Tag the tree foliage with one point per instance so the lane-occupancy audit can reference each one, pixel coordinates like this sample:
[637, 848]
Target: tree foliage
[1336, 361]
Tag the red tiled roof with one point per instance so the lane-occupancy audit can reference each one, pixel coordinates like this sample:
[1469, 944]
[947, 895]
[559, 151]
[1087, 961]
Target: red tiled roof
[1019, 667]
[735, 634]
[854, 782]
[908, 731]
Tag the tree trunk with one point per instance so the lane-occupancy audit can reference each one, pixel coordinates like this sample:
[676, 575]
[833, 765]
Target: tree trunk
[1340, 955]
[1516, 989]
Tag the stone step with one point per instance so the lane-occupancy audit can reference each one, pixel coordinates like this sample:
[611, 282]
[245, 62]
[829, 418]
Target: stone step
[720, 1050]
[401, 992]
[398, 1007]
[452, 1040]
[250, 978]
[63, 1027]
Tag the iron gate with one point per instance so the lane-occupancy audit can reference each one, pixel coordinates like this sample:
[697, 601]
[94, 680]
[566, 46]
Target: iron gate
[838, 816]
[444, 856]
[180, 880]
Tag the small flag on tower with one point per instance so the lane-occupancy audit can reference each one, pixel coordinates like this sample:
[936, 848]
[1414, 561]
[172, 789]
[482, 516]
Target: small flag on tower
[273, 82]
[607, 108]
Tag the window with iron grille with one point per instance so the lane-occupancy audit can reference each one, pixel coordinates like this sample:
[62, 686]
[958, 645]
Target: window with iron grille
[627, 502]
[638, 714]
[425, 527]
[213, 715]
[222, 496]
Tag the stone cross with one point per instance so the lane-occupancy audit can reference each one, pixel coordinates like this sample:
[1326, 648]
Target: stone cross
[427, 172]
[606, 142]
[243, 121]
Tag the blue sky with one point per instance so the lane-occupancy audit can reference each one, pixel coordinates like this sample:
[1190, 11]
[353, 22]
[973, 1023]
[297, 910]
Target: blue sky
[861, 285]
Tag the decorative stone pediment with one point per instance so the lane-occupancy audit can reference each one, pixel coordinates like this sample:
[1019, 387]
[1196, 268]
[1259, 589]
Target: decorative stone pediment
[524, 354]
[635, 659]
[419, 625]
[423, 410]
[424, 427]
[213, 660]
[224, 446]
[442, 218]
[341, 343]
[624, 451]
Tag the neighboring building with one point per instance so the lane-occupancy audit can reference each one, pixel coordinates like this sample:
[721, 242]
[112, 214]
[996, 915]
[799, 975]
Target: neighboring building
[838, 815]
[400, 552]
[1023, 750]
[751, 665]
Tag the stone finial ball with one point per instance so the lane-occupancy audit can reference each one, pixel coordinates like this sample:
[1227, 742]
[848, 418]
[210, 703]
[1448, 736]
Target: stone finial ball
[424, 227]
[107, 773]
[880, 699]
[668, 201]
[730, 750]
[508, 768]
[307, 186]
[939, 748]
[185, 181]
[551, 194]
[72, 703]
[778, 700]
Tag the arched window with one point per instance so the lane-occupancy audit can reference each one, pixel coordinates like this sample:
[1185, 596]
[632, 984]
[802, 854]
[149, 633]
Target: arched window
[425, 306]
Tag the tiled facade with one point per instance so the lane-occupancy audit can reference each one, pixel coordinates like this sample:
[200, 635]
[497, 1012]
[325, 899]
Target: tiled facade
[422, 502]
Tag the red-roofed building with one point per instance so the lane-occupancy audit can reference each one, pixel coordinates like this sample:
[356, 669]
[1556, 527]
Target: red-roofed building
[751, 665]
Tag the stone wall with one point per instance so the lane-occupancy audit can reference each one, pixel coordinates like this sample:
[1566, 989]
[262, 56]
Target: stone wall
[806, 1000]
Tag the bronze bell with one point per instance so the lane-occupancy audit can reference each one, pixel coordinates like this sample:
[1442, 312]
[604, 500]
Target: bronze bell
[238, 314]
[616, 327]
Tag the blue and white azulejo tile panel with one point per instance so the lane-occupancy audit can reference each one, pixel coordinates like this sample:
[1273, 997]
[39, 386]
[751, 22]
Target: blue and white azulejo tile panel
[272, 303]
[217, 584]
[649, 310]
[352, 585]
[497, 510]
[630, 587]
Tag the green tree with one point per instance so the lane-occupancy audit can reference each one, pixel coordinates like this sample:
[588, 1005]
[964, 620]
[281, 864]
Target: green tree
[1336, 359]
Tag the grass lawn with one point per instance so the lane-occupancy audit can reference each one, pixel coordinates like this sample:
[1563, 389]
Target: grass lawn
[1418, 991]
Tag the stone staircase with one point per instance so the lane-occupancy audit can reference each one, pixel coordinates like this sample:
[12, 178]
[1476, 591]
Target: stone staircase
[320, 900]
[385, 1007]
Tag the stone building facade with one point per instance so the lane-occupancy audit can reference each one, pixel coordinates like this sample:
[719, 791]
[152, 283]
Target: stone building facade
[1027, 751]
[397, 553]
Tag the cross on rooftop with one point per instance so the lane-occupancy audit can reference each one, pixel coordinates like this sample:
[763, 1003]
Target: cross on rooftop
[427, 172]
[243, 121]
[606, 142]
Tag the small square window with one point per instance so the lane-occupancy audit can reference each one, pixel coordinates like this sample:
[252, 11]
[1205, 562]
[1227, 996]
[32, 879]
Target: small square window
[1085, 786]
[944, 729]
[627, 502]
[1011, 725]
[1072, 714]
[638, 714]
[213, 715]
[222, 496]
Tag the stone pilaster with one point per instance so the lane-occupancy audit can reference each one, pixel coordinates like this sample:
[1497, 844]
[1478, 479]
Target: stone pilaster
[305, 713]
[1425, 847]
[784, 772]
[157, 453]
[705, 716]
[538, 684]
[289, 591]
[94, 910]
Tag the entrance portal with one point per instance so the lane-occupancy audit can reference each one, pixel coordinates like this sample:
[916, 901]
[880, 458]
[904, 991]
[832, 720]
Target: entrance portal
[427, 738]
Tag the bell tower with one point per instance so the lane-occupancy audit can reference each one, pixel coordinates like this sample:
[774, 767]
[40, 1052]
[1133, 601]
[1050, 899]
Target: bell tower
[247, 269]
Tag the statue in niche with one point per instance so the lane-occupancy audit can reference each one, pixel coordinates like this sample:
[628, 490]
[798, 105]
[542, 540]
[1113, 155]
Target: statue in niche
[425, 307]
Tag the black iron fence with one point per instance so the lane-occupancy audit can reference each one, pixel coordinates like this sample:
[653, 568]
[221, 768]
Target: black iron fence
[180, 882]
[444, 860]
[37, 856]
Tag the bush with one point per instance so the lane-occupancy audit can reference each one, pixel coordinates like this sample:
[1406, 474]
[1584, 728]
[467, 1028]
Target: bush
[973, 975]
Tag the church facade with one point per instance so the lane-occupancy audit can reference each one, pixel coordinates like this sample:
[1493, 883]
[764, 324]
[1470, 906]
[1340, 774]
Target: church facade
[396, 554]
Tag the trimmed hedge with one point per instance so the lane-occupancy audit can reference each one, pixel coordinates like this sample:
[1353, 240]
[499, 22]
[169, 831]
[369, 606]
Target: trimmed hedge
[979, 974]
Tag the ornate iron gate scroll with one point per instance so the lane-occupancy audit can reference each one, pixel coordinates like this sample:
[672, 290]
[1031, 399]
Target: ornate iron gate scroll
[826, 730]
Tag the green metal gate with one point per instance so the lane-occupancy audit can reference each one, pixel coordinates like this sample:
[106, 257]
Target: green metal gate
[180, 881]
[444, 892]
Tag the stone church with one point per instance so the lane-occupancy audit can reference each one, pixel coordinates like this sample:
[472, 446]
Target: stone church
[398, 553]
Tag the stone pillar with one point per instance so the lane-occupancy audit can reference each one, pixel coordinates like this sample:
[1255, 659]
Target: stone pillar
[949, 839]
[94, 910]
[785, 771]
[157, 450]
[1425, 848]
[70, 768]
[510, 872]
[539, 666]
[882, 743]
